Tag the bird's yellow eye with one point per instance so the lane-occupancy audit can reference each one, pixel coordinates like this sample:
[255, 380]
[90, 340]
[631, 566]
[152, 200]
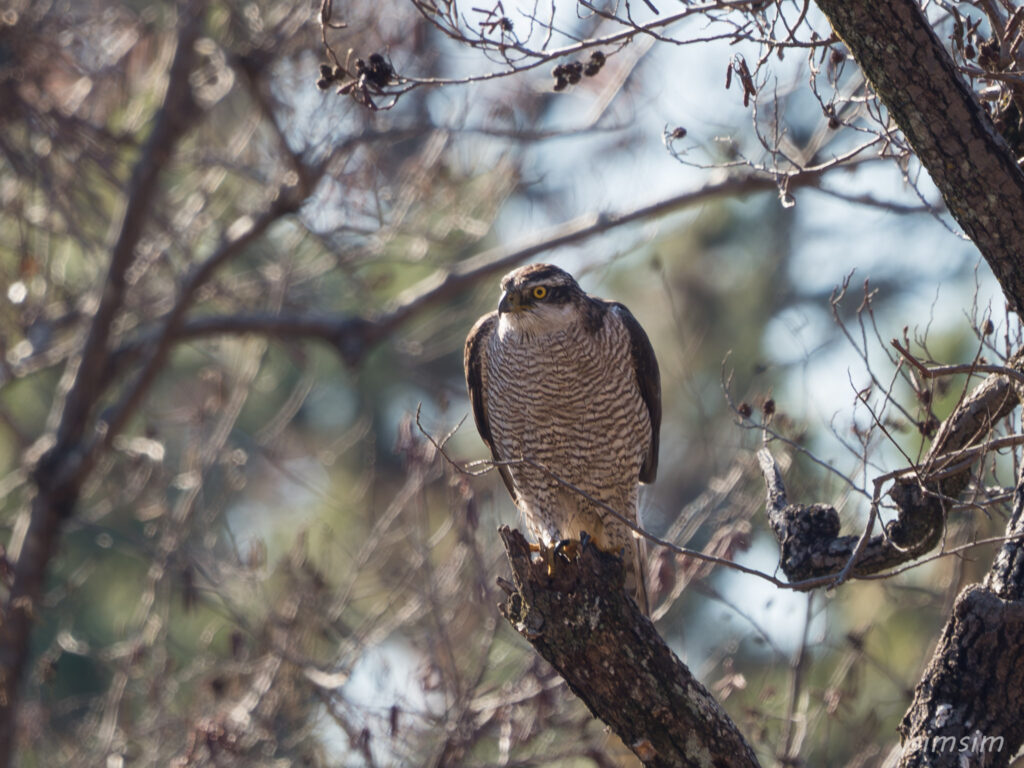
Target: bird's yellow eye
[540, 292]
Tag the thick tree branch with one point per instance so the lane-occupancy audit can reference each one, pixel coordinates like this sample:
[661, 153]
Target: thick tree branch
[808, 534]
[952, 135]
[584, 624]
[967, 707]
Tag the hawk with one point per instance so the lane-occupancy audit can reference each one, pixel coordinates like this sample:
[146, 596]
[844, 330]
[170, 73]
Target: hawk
[568, 384]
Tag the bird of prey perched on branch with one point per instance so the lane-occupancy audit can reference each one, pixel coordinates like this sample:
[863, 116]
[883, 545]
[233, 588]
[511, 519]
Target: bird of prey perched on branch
[565, 388]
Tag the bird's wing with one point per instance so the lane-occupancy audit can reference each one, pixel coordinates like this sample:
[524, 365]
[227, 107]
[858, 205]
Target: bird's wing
[648, 379]
[476, 350]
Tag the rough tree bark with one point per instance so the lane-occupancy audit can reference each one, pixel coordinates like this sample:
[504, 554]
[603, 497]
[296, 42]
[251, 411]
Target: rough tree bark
[583, 623]
[967, 708]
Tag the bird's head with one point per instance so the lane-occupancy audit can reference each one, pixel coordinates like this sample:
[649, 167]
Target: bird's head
[539, 299]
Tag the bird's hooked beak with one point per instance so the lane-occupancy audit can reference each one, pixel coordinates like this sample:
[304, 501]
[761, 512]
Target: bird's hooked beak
[511, 301]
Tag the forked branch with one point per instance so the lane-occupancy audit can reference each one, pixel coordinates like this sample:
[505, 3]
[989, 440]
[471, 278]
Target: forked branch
[808, 534]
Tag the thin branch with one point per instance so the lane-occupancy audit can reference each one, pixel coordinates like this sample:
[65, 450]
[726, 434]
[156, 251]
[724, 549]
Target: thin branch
[483, 466]
[171, 122]
[950, 370]
[287, 201]
[354, 336]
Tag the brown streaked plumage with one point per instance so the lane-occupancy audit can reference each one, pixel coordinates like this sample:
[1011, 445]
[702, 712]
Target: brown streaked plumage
[570, 382]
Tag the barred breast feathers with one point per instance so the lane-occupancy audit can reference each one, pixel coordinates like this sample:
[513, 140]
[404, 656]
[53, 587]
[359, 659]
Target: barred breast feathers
[554, 356]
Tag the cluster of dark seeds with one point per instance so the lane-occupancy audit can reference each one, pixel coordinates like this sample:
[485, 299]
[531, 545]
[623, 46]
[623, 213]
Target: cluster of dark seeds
[376, 73]
[572, 72]
[376, 70]
[329, 75]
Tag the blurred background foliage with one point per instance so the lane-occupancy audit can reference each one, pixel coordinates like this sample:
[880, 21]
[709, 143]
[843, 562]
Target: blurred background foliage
[273, 565]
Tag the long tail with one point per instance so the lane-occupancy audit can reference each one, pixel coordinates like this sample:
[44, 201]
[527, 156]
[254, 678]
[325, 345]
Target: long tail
[636, 574]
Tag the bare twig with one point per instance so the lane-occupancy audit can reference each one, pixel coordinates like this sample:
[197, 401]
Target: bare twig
[949, 370]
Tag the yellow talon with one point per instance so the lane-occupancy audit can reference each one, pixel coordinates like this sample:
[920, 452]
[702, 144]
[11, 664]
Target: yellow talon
[568, 548]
